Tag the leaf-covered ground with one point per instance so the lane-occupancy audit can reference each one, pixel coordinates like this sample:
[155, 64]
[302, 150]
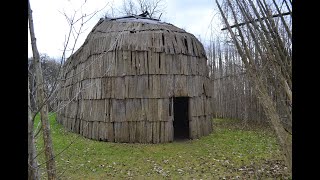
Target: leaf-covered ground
[230, 152]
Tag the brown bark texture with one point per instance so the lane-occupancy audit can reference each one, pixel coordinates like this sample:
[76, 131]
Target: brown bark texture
[33, 171]
[50, 162]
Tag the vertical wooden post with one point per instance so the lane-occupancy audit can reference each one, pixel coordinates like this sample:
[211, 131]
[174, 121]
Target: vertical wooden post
[33, 170]
[50, 163]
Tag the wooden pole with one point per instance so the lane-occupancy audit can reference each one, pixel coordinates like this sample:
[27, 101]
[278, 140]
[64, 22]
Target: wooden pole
[33, 171]
[50, 163]
[261, 89]
[244, 23]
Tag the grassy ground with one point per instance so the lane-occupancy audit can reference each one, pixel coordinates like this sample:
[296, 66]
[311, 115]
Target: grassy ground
[230, 152]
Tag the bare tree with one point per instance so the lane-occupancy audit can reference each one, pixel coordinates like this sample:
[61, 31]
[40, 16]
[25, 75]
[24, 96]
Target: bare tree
[155, 8]
[233, 97]
[129, 7]
[266, 58]
[50, 69]
[41, 102]
[44, 72]
[32, 85]
[33, 172]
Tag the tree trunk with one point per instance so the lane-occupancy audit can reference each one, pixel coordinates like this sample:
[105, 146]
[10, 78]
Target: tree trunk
[33, 170]
[50, 162]
[266, 101]
[284, 137]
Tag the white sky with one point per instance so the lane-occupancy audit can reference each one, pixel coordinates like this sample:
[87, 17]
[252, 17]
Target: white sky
[51, 27]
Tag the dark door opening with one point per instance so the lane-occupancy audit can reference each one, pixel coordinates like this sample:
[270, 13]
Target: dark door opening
[181, 118]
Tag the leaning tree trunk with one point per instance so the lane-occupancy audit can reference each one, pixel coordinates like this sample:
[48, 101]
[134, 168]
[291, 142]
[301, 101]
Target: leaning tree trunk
[33, 170]
[50, 162]
[261, 88]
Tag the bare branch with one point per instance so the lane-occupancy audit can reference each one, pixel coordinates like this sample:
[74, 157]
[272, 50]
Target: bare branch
[244, 23]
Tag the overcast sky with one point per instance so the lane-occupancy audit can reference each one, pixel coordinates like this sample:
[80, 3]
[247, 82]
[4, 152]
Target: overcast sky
[51, 27]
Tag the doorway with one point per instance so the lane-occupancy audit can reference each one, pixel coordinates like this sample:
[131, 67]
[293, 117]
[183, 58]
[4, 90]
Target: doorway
[181, 117]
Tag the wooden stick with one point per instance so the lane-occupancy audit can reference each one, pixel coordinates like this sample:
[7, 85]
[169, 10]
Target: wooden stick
[244, 23]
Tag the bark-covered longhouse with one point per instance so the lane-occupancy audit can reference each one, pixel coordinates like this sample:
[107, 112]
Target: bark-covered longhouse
[139, 80]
